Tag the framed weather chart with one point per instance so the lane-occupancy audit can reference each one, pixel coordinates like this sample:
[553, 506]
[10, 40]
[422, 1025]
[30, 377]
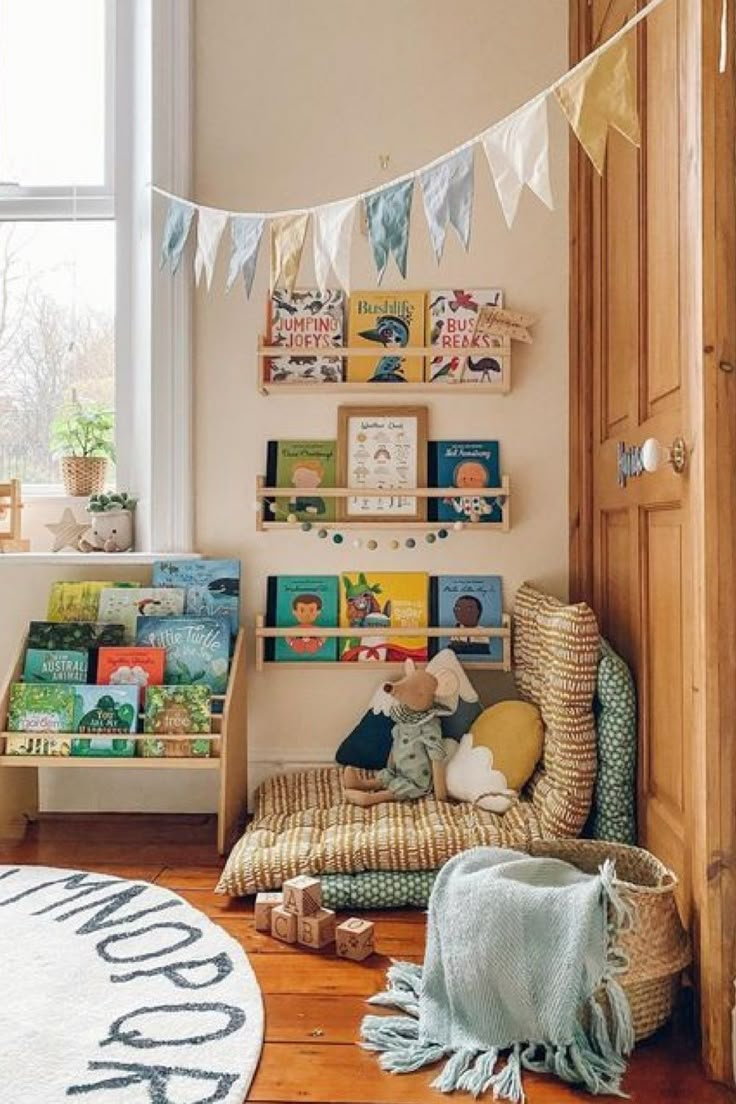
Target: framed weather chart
[382, 448]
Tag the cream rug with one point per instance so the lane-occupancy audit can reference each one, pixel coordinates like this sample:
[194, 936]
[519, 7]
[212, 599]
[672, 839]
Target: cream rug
[119, 992]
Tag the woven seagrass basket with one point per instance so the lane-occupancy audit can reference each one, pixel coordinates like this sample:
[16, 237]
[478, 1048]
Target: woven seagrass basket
[83, 475]
[657, 946]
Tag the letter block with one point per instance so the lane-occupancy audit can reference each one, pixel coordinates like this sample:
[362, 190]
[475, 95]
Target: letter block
[265, 904]
[302, 895]
[317, 930]
[355, 939]
[283, 924]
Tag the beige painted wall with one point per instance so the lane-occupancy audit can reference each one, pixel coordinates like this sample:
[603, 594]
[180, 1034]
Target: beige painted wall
[295, 102]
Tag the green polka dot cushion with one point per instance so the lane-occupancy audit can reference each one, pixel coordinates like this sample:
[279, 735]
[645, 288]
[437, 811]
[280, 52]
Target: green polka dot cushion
[378, 889]
[614, 803]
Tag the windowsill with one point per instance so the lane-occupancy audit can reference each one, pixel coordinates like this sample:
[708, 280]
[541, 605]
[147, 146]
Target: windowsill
[78, 558]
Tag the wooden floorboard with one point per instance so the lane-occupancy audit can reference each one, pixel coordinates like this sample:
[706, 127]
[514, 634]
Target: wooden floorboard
[314, 1002]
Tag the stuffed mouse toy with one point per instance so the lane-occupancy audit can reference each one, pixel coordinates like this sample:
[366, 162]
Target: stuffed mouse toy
[416, 764]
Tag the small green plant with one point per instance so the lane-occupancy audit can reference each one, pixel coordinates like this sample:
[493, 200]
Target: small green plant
[84, 431]
[102, 503]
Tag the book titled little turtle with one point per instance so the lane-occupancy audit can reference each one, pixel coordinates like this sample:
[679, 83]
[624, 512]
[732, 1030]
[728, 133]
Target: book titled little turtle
[197, 648]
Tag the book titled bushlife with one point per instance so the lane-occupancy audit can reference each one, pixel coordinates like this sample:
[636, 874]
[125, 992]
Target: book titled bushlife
[197, 648]
[461, 602]
[378, 601]
[386, 321]
[451, 321]
[126, 606]
[305, 323]
[304, 467]
[78, 601]
[302, 600]
[44, 665]
[38, 708]
[177, 710]
[470, 466]
[211, 587]
[99, 710]
[141, 667]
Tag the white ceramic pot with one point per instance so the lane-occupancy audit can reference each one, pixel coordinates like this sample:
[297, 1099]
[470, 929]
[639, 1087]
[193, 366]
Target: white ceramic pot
[112, 531]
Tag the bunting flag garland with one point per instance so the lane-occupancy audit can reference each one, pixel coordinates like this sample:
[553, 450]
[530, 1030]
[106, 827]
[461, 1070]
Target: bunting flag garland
[333, 234]
[388, 213]
[210, 225]
[518, 154]
[600, 95]
[288, 234]
[246, 232]
[176, 231]
[447, 190]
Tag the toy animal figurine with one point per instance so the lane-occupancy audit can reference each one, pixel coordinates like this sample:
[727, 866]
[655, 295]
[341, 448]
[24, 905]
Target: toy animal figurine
[416, 765]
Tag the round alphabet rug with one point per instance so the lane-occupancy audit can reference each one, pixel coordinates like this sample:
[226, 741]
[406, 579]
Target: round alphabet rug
[119, 992]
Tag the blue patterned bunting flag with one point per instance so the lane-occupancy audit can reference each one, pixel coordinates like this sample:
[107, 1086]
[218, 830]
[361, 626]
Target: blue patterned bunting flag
[388, 213]
[447, 189]
[176, 231]
[246, 232]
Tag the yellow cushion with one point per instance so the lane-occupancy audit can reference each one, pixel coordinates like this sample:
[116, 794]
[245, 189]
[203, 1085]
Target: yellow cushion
[514, 733]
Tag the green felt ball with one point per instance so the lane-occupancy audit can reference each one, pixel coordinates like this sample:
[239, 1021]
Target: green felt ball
[430, 538]
[337, 538]
[306, 526]
[442, 534]
[411, 543]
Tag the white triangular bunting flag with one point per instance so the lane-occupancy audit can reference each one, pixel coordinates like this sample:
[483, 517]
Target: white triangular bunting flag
[333, 235]
[447, 190]
[210, 226]
[517, 149]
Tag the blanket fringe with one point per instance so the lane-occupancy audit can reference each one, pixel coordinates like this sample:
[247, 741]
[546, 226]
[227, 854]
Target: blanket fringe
[476, 1080]
[454, 1068]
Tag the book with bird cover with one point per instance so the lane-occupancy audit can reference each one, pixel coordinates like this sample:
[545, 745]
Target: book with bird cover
[470, 466]
[47, 665]
[79, 601]
[306, 323]
[386, 321]
[126, 606]
[451, 319]
[463, 602]
[381, 600]
[308, 600]
[197, 648]
[303, 467]
[212, 587]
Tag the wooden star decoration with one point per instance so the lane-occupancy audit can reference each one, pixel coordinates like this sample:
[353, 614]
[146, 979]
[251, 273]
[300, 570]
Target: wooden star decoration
[67, 531]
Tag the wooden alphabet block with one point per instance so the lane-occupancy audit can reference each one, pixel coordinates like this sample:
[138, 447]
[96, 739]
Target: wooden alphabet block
[355, 939]
[283, 924]
[265, 904]
[318, 929]
[302, 895]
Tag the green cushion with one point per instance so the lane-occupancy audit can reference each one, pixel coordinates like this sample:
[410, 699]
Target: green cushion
[614, 803]
[377, 889]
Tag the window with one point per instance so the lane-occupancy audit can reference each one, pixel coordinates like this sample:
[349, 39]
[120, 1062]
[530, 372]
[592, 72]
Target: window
[57, 229]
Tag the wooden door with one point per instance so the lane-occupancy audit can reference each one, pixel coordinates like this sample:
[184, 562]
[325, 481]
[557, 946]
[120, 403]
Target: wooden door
[655, 558]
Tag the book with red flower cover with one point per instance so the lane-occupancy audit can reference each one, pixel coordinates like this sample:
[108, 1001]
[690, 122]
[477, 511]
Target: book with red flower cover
[142, 667]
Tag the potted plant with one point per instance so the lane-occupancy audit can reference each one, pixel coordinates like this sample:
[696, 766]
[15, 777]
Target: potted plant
[83, 436]
[111, 521]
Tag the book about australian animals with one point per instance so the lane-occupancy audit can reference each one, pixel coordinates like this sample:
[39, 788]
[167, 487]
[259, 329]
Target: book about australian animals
[382, 600]
[386, 321]
[197, 648]
[141, 667]
[308, 600]
[177, 710]
[306, 323]
[303, 467]
[44, 665]
[212, 587]
[78, 601]
[101, 710]
[126, 606]
[470, 466]
[40, 708]
[461, 602]
[74, 635]
[451, 320]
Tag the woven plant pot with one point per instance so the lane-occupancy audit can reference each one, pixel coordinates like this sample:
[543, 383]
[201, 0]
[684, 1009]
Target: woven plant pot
[657, 947]
[83, 475]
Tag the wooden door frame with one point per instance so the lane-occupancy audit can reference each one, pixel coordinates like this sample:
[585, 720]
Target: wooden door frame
[712, 397]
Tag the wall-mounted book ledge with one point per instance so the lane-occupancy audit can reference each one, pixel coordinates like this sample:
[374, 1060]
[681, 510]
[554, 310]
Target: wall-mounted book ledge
[378, 636]
[264, 494]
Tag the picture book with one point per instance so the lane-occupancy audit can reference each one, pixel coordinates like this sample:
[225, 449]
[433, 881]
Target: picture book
[35, 707]
[386, 321]
[177, 710]
[302, 600]
[305, 323]
[382, 600]
[468, 602]
[451, 320]
[45, 665]
[78, 601]
[26, 744]
[75, 635]
[101, 710]
[126, 606]
[141, 667]
[212, 587]
[197, 648]
[157, 748]
[303, 467]
[470, 466]
[103, 747]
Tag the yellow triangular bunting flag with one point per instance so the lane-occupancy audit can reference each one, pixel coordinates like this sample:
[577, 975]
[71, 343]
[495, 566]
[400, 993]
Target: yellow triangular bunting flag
[287, 244]
[600, 95]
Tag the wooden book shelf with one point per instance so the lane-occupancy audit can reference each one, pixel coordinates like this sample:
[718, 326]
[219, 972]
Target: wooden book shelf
[228, 757]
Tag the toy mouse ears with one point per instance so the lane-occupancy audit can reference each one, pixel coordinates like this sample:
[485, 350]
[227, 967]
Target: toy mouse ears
[447, 684]
[409, 666]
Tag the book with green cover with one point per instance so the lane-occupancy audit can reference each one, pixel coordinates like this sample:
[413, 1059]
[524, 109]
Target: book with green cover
[78, 601]
[303, 467]
[197, 648]
[99, 710]
[103, 747]
[308, 600]
[35, 707]
[43, 665]
[26, 743]
[177, 710]
[74, 635]
[158, 748]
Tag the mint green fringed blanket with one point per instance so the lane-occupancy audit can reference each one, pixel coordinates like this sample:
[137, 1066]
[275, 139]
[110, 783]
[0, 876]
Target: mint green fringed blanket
[519, 951]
